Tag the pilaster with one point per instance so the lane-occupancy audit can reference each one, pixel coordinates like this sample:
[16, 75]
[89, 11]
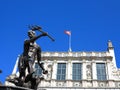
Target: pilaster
[84, 70]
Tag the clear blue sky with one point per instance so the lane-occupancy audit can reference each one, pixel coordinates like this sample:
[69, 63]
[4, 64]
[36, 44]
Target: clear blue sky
[92, 22]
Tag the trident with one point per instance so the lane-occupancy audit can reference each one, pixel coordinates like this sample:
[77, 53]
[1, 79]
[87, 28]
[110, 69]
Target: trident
[35, 27]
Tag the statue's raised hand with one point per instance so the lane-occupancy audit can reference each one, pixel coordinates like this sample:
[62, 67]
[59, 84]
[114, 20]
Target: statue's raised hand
[44, 34]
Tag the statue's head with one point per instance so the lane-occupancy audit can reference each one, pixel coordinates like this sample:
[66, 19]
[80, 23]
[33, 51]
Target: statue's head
[31, 33]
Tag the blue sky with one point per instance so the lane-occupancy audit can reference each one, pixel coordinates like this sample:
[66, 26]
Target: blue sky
[92, 23]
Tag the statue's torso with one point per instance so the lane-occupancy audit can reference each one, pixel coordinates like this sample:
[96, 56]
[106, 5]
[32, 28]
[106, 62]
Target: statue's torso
[30, 49]
[33, 47]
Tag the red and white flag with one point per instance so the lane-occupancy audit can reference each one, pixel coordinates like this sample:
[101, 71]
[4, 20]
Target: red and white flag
[67, 32]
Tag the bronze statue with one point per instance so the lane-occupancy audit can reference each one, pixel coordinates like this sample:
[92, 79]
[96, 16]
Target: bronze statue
[31, 52]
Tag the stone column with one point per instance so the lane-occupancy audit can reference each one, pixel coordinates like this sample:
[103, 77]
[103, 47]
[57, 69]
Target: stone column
[54, 70]
[94, 74]
[69, 71]
[84, 70]
[108, 71]
[84, 77]
[54, 74]
[69, 74]
[110, 78]
[94, 71]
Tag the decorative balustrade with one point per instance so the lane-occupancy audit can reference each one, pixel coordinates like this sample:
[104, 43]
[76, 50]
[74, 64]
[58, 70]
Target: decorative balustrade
[75, 54]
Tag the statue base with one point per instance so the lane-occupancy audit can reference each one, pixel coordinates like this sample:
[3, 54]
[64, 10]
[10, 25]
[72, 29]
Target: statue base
[13, 88]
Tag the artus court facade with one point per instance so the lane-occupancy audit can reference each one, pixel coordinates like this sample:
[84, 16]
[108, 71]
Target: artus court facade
[79, 70]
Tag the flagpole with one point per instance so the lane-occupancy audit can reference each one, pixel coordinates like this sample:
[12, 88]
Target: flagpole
[69, 39]
[70, 43]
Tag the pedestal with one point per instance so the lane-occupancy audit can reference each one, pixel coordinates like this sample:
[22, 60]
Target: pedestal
[13, 88]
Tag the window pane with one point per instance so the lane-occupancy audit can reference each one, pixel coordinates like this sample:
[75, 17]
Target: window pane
[38, 70]
[76, 71]
[101, 71]
[61, 71]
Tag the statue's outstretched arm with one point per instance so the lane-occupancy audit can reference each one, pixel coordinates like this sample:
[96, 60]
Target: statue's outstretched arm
[36, 37]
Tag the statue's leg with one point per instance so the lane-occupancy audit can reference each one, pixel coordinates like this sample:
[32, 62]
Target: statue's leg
[30, 71]
[30, 66]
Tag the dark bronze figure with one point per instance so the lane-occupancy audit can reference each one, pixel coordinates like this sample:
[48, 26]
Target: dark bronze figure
[31, 52]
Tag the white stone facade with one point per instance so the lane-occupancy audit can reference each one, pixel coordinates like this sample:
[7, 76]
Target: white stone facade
[89, 79]
[89, 73]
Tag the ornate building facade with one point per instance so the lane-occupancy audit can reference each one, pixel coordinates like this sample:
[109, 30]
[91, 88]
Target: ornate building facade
[79, 70]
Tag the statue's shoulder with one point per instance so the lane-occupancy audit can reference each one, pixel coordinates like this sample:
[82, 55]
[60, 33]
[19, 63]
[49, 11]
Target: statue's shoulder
[26, 40]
